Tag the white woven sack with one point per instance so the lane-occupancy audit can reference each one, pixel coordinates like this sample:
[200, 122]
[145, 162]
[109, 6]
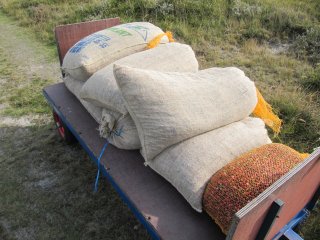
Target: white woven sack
[120, 131]
[101, 88]
[99, 49]
[75, 86]
[189, 165]
[168, 108]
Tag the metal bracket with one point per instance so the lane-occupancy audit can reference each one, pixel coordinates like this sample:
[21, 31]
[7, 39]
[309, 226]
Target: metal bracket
[269, 219]
[287, 231]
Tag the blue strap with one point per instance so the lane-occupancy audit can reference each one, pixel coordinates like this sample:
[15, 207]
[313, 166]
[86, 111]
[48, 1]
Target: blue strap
[98, 173]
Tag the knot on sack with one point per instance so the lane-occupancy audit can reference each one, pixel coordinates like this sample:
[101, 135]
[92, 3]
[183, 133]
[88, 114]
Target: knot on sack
[155, 41]
[106, 132]
[264, 111]
[107, 125]
[116, 132]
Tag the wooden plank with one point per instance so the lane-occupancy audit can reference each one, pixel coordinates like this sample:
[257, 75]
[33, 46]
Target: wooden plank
[295, 189]
[68, 35]
[158, 201]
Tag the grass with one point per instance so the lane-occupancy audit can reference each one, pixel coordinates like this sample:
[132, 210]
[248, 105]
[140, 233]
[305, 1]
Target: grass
[48, 194]
[311, 81]
[276, 43]
[196, 22]
[22, 97]
[46, 186]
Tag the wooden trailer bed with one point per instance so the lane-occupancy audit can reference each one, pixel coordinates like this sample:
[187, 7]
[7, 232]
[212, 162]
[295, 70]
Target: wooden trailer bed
[154, 201]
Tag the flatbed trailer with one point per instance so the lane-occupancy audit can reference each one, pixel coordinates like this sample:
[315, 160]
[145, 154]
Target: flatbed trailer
[153, 200]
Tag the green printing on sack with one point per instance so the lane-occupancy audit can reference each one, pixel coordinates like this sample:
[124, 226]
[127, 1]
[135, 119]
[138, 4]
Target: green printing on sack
[120, 31]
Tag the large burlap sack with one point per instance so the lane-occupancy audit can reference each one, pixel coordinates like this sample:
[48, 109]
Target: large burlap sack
[74, 87]
[168, 108]
[189, 165]
[101, 88]
[228, 190]
[99, 49]
[120, 131]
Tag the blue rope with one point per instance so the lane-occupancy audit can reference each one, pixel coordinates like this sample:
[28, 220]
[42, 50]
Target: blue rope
[98, 173]
[117, 133]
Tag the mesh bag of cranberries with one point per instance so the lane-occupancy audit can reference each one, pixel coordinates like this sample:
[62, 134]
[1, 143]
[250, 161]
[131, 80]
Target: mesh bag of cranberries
[242, 180]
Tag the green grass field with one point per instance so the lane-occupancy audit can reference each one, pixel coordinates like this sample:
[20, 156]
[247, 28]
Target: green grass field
[276, 43]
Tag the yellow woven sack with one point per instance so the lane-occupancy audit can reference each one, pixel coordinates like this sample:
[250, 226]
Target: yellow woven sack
[155, 41]
[264, 111]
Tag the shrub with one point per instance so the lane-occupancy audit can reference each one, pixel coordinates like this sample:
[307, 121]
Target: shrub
[311, 81]
[308, 45]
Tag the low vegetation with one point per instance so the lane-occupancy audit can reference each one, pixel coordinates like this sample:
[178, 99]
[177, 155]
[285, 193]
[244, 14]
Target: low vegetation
[277, 44]
[21, 95]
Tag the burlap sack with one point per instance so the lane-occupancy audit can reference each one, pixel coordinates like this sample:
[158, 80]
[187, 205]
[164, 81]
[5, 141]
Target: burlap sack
[168, 108]
[189, 165]
[75, 86]
[101, 88]
[243, 179]
[104, 47]
[120, 131]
